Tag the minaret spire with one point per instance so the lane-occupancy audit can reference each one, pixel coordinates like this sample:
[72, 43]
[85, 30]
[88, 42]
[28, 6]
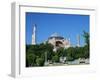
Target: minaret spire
[34, 35]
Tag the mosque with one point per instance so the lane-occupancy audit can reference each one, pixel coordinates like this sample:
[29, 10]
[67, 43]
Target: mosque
[56, 40]
[59, 41]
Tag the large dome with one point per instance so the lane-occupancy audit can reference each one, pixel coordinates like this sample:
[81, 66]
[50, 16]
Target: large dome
[56, 36]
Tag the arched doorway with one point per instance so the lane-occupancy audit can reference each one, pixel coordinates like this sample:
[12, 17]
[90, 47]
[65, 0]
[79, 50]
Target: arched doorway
[59, 44]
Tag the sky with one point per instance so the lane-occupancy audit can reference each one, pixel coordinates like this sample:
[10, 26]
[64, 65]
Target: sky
[66, 25]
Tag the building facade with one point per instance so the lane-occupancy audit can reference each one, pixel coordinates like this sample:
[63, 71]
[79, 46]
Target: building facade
[58, 41]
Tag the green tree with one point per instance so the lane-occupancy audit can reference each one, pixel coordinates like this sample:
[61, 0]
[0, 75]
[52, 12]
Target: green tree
[71, 54]
[49, 49]
[86, 37]
[86, 51]
[60, 52]
[39, 61]
[55, 58]
[80, 52]
[86, 47]
[38, 51]
[30, 59]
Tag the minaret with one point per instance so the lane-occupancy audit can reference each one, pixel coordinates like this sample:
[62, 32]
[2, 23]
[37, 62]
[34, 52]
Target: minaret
[69, 42]
[34, 35]
[78, 41]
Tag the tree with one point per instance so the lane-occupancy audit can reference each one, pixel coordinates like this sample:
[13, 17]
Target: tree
[71, 54]
[80, 52]
[49, 50]
[39, 61]
[38, 51]
[30, 60]
[86, 51]
[86, 47]
[55, 58]
[60, 52]
[86, 37]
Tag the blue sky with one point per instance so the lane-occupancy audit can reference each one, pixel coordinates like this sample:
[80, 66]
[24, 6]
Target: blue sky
[66, 25]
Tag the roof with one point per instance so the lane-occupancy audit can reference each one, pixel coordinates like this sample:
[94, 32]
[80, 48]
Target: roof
[56, 35]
